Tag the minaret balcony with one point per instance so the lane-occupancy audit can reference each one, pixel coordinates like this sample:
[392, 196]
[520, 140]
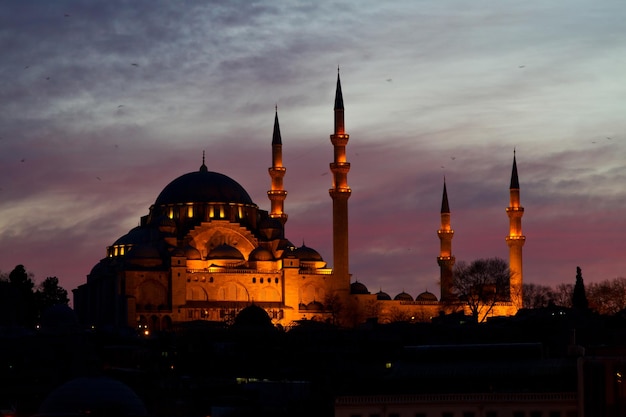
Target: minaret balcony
[340, 139]
[513, 241]
[340, 167]
[278, 194]
[515, 209]
[344, 192]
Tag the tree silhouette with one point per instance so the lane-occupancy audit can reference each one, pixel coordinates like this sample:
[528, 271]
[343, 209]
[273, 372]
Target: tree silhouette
[22, 303]
[579, 298]
[481, 284]
[49, 294]
[19, 308]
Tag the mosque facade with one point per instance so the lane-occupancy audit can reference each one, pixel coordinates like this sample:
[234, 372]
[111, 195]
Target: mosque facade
[206, 251]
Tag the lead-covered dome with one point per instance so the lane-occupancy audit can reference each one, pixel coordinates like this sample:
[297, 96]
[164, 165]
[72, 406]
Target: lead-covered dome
[98, 396]
[203, 186]
[304, 253]
[358, 288]
[426, 296]
[403, 296]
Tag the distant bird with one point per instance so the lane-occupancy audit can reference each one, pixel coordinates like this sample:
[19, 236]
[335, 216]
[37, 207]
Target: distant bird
[324, 173]
[67, 15]
[134, 65]
[593, 141]
[98, 178]
[522, 66]
[23, 160]
[121, 105]
[608, 138]
[116, 146]
[453, 157]
[48, 78]
[27, 66]
[389, 80]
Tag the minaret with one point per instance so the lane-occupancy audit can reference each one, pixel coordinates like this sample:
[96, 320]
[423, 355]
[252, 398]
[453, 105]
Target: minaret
[277, 194]
[515, 239]
[445, 258]
[340, 194]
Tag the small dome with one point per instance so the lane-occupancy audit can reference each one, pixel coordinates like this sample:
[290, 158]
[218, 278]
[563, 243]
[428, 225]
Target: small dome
[315, 306]
[225, 252]
[358, 288]
[253, 316]
[304, 253]
[59, 316]
[426, 296]
[192, 253]
[380, 295]
[261, 254]
[92, 396]
[403, 297]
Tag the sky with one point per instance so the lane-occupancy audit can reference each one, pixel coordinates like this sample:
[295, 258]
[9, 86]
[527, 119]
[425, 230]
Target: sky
[102, 104]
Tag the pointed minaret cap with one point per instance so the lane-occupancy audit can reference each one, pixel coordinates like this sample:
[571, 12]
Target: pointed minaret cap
[338, 94]
[203, 167]
[514, 180]
[276, 139]
[445, 208]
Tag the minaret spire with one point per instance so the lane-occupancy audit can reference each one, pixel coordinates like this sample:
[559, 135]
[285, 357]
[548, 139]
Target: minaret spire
[277, 194]
[203, 167]
[515, 239]
[340, 193]
[445, 258]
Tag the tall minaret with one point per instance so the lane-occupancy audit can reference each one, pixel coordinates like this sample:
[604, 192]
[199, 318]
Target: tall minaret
[445, 258]
[277, 194]
[515, 239]
[340, 194]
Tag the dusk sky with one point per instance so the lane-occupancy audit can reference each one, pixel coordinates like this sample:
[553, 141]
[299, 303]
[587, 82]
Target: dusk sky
[102, 104]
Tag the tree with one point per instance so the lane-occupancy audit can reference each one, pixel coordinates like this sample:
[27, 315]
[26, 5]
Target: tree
[579, 298]
[537, 296]
[50, 293]
[608, 296]
[563, 295]
[17, 298]
[481, 284]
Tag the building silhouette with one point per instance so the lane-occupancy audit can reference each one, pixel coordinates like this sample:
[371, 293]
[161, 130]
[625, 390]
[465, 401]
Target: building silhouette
[205, 251]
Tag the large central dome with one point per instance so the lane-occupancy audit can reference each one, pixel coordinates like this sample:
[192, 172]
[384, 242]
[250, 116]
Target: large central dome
[203, 186]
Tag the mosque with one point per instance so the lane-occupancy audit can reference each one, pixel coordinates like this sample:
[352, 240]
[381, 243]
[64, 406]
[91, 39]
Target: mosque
[206, 251]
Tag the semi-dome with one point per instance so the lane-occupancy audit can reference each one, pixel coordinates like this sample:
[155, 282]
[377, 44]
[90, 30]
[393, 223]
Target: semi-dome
[358, 288]
[426, 296]
[225, 252]
[203, 186]
[136, 236]
[403, 296]
[98, 396]
[382, 296]
[144, 251]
